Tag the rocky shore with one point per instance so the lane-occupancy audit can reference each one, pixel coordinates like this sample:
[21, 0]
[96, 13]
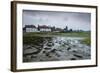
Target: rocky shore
[56, 49]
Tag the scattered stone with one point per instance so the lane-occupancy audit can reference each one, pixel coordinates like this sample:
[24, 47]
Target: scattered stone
[40, 44]
[33, 56]
[73, 59]
[37, 47]
[47, 48]
[60, 42]
[58, 55]
[48, 55]
[74, 45]
[49, 44]
[78, 56]
[68, 48]
[60, 50]
[44, 51]
[74, 51]
[56, 42]
[41, 60]
[53, 51]
[29, 53]
[25, 47]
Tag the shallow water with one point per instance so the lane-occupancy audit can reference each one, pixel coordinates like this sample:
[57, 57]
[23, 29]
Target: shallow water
[56, 49]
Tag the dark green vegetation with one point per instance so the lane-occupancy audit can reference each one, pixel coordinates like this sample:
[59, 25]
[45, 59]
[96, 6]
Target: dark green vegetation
[87, 41]
[34, 40]
[31, 40]
[38, 37]
[66, 34]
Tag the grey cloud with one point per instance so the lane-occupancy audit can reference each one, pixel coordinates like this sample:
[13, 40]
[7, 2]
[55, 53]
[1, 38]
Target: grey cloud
[73, 20]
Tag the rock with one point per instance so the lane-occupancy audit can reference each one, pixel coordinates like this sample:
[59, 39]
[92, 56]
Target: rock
[57, 55]
[56, 41]
[74, 51]
[77, 56]
[73, 59]
[37, 47]
[44, 51]
[47, 48]
[60, 50]
[68, 48]
[49, 44]
[48, 55]
[74, 45]
[60, 42]
[53, 50]
[41, 44]
[41, 60]
[32, 50]
[33, 56]
[27, 47]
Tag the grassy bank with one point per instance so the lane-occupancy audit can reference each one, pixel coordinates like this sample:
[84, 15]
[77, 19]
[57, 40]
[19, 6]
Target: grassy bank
[87, 41]
[35, 40]
[38, 37]
[52, 34]
[32, 40]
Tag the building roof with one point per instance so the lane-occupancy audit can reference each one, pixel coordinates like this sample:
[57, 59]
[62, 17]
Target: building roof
[24, 28]
[44, 26]
[30, 26]
[58, 29]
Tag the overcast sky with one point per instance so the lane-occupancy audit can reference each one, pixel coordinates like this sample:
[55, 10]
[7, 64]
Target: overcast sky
[74, 20]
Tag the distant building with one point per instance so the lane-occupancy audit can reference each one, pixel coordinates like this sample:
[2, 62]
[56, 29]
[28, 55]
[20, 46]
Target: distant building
[53, 28]
[24, 29]
[66, 29]
[58, 30]
[30, 28]
[44, 28]
[70, 30]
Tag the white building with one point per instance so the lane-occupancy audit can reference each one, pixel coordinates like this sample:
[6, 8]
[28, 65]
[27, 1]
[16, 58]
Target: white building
[44, 28]
[30, 28]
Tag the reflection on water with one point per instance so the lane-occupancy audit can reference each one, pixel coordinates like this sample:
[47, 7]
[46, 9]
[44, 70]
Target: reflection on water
[56, 49]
